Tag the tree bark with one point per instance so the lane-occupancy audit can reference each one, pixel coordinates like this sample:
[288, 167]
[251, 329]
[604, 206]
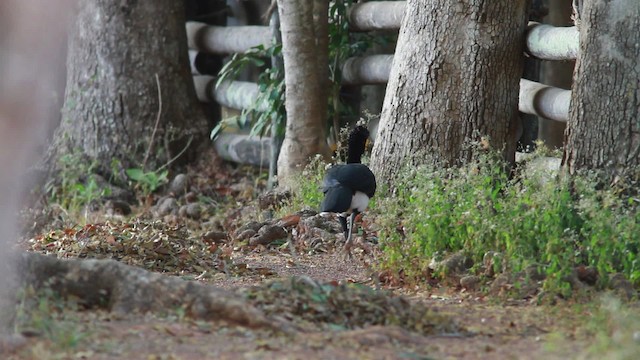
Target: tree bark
[603, 130]
[454, 78]
[124, 289]
[112, 102]
[306, 108]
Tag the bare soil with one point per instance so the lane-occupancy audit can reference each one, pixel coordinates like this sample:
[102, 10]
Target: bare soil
[493, 330]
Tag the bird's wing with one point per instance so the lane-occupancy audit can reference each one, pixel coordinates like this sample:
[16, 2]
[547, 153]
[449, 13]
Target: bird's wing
[357, 177]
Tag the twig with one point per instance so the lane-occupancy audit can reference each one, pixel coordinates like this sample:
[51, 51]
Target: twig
[177, 156]
[155, 127]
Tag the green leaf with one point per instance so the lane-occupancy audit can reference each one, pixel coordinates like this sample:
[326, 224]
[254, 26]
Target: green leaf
[135, 174]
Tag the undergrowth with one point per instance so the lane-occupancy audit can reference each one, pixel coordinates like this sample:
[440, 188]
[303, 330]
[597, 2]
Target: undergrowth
[75, 186]
[537, 217]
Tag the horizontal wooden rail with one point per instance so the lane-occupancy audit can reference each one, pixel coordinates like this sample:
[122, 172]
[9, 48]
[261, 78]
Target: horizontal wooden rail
[535, 98]
[378, 15]
[244, 149]
[543, 41]
[552, 43]
[232, 94]
[542, 100]
[226, 39]
[372, 69]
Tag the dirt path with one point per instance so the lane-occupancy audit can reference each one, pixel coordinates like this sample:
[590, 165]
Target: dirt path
[496, 331]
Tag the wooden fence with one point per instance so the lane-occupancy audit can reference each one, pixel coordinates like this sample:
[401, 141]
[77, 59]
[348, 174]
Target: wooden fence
[543, 42]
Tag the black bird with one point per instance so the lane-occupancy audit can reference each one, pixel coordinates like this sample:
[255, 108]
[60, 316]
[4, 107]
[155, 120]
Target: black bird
[348, 187]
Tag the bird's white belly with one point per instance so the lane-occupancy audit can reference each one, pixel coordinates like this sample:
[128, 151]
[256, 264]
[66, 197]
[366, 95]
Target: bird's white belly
[359, 202]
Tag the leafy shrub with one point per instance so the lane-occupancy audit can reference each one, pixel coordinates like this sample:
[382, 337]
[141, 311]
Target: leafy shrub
[536, 217]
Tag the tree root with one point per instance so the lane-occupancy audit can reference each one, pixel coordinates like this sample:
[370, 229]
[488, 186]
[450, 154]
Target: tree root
[124, 289]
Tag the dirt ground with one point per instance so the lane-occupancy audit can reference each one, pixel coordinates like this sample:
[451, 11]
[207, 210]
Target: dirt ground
[489, 328]
[515, 330]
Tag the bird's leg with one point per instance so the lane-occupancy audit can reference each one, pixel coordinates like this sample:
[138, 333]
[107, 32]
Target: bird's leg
[349, 238]
[343, 222]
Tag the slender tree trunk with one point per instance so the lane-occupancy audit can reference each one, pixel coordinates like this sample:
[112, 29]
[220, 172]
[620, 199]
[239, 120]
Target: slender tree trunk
[455, 78]
[305, 104]
[125, 57]
[603, 131]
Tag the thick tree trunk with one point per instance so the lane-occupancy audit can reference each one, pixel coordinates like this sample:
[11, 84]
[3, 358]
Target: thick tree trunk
[112, 98]
[603, 131]
[306, 108]
[454, 78]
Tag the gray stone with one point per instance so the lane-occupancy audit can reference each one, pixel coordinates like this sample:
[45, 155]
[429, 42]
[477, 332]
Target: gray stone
[193, 211]
[166, 206]
[179, 184]
[470, 282]
[622, 286]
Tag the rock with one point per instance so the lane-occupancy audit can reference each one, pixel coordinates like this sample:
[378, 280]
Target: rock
[251, 225]
[456, 263]
[587, 274]
[190, 197]
[216, 237]
[191, 211]
[492, 262]
[500, 284]
[214, 224]
[246, 234]
[289, 220]
[305, 213]
[166, 206]
[327, 223]
[534, 272]
[572, 279]
[273, 198]
[179, 184]
[621, 286]
[117, 208]
[268, 234]
[470, 282]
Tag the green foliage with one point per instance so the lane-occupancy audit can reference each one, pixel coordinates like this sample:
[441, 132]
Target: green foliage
[150, 181]
[271, 86]
[533, 218]
[76, 185]
[307, 193]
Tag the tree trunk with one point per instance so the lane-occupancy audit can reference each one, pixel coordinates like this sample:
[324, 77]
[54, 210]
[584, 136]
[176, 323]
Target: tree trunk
[603, 130]
[454, 78]
[305, 105]
[122, 55]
